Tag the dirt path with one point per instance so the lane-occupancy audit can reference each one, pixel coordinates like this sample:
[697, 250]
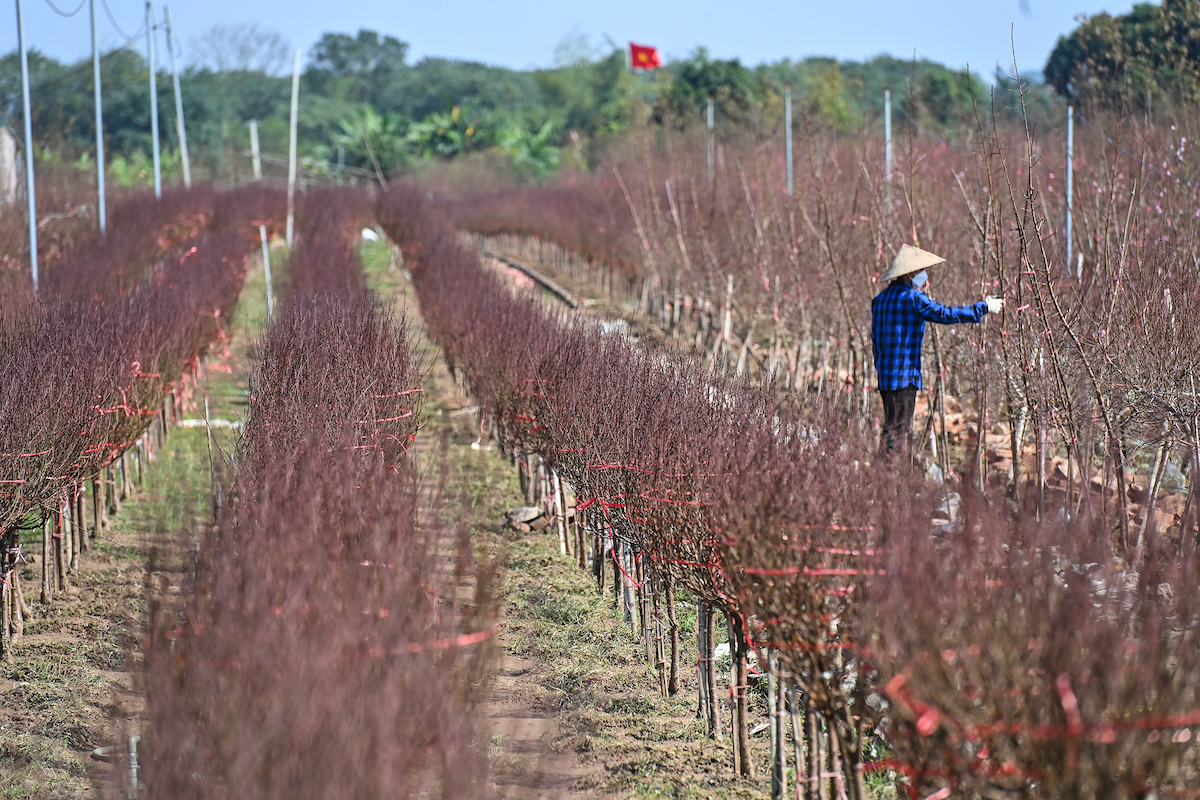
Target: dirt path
[574, 708]
[72, 687]
[524, 745]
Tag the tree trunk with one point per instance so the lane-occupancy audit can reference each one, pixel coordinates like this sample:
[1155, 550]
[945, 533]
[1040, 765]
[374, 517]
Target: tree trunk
[660, 648]
[714, 706]
[22, 610]
[126, 484]
[799, 736]
[850, 750]
[816, 762]
[80, 520]
[60, 555]
[739, 684]
[835, 761]
[99, 517]
[673, 622]
[775, 706]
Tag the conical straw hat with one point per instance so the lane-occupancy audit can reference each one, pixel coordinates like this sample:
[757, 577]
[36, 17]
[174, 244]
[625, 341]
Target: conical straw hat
[909, 260]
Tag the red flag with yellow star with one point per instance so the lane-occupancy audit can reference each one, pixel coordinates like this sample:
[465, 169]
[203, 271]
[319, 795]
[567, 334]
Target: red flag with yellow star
[643, 57]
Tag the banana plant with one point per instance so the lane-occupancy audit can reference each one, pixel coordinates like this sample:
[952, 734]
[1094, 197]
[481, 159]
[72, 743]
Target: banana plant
[531, 152]
[373, 140]
[444, 134]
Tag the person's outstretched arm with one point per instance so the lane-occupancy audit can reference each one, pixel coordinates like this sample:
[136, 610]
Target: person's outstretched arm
[930, 310]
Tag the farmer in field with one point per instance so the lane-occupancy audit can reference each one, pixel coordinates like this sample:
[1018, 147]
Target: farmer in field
[898, 317]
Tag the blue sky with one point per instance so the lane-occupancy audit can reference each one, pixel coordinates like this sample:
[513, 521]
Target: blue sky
[525, 33]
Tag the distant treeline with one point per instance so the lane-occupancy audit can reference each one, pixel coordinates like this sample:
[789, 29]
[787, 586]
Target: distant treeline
[1146, 61]
[365, 106]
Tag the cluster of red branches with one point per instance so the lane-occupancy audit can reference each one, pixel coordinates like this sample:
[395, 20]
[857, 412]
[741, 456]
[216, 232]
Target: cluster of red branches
[320, 646]
[992, 651]
[1079, 395]
[120, 321]
[66, 215]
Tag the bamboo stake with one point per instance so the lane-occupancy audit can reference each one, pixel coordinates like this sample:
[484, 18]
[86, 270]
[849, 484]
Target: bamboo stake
[673, 623]
[66, 539]
[22, 607]
[734, 706]
[660, 648]
[6, 622]
[703, 659]
[559, 511]
[47, 554]
[18, 605]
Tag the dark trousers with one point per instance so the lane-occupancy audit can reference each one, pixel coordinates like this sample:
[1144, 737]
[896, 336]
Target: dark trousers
[898, 408]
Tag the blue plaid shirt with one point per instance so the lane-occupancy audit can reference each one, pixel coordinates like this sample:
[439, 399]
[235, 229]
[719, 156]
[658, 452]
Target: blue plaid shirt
[898, 317]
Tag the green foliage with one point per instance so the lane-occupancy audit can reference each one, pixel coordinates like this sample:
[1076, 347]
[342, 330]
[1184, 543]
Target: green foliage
[137, 171]
[696, 78]
[43, 72]
[1131, 61]
[827, 99]
[359, 89]
[847, 96]
[532, 153]
[437, 84]
[369, 137]
[446, 134]
[590, 96]
[355, 68]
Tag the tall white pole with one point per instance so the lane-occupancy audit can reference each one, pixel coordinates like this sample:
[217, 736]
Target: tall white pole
[291, 193]
[262, 231]
[100, 212]
[153, 100]
[180, 128]
[30, 200]
[787, 133]
[710, 140]
[255, 160]
[887, 134]
[1070, 183]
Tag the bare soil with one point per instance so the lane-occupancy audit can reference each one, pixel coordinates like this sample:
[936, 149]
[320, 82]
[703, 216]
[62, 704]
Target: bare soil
[574, 708]
[72, 685]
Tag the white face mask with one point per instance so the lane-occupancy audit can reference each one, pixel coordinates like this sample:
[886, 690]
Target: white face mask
[920, 279]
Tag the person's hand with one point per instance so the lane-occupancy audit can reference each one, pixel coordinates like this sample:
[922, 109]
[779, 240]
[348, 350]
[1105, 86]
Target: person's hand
[995, 304]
